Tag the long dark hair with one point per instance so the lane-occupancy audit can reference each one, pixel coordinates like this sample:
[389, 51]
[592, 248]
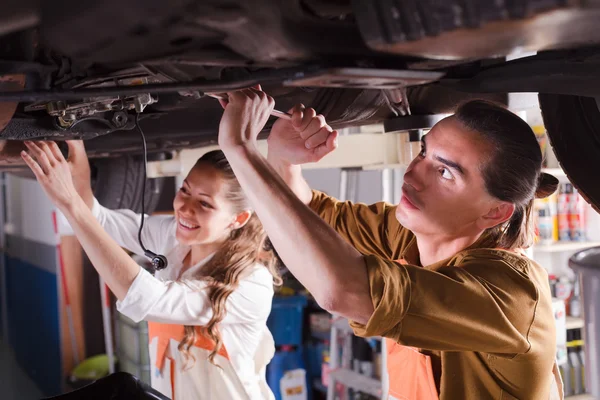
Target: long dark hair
[513, 173]
[246, 247]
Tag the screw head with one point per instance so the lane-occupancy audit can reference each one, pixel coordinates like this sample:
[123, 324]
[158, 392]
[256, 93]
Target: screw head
[119, 119]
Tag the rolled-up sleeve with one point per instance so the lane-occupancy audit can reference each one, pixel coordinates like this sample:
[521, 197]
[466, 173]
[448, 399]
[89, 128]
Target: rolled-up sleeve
[390, 288]
[187, 303]
[370, 229]
[482, 305]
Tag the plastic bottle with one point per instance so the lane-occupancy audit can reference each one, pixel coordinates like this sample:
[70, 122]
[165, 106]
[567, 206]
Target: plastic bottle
[545, 225]
[563, 288]
[592, 224]
[566, 377]
[553, 207]
[576, 362]
[575, 303]
[564, 195]
[567, 369]
[576, 216]
[552, 281]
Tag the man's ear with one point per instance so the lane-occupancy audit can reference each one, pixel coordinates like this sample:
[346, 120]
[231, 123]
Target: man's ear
[241, 219]
[498, 214]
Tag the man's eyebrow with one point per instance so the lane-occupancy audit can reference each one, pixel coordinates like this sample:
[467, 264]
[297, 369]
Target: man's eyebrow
[451, 164]
[454, 165]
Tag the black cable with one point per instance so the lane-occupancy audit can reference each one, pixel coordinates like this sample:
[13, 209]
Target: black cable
[137, 124]
[158, 261]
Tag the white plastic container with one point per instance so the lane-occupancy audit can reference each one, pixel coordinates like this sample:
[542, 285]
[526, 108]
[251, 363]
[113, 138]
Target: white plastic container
[293, 385]
[592, 224]
[558, 307]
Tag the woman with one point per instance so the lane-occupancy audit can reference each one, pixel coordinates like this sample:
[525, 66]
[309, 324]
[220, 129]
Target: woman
[442, 275]
[207, 310]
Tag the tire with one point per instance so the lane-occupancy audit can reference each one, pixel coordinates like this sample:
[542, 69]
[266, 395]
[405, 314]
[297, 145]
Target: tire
[573, 126]
[118, 183]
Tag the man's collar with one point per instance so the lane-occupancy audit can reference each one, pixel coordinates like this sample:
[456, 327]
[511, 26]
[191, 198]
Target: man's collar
[411, 252]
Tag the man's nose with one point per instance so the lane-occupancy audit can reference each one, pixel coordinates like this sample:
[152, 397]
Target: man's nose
[414, 175]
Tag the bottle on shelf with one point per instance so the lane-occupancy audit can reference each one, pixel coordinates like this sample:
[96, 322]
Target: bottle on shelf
[562, 288]
[545, 225]
[558, 309]
[552, 280]
[566, 369]
[576, 216]
[564, 210]
[553, 208]
[575, 367]
[576, 362]
[575, 301]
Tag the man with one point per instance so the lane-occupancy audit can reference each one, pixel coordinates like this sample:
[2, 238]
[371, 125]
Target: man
[467, 314]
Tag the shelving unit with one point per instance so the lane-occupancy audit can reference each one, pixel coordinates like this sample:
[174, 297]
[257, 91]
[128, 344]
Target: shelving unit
[554, 256]
[357, 381]
[584, 396]
[347, 377]
[559, 247]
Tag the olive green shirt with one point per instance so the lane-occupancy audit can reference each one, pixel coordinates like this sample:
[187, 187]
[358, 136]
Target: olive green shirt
[484, 315]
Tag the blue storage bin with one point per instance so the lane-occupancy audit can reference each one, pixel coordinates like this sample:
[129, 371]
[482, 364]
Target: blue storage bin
[285, 320]
[284, 360]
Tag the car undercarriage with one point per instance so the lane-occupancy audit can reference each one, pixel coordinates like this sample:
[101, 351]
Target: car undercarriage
[92, 70]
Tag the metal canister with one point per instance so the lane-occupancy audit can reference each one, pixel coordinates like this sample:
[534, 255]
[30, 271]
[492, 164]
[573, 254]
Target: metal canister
[587, 264]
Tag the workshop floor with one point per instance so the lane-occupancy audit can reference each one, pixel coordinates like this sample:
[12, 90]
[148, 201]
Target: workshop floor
[14, 383]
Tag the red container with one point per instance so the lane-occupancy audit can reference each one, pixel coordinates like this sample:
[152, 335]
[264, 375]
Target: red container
[576, 217]
[564, 211]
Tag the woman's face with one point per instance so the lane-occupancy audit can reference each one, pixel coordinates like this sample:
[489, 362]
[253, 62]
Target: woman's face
[444, 191]
[203, 213]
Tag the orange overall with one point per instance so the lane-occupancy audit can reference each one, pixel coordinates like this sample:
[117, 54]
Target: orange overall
[166, 332]
[495, 304]
[409, 371]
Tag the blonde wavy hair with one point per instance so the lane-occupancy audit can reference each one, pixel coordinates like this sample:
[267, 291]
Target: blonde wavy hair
[246, 247]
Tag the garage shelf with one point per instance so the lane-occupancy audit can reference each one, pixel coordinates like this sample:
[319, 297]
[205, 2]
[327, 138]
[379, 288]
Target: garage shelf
[557, 172]
[584, 396]
[574, 323]
[563, 246]
[356, 381]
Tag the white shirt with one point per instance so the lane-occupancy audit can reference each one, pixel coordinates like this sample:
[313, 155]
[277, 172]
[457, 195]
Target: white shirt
[173, 299]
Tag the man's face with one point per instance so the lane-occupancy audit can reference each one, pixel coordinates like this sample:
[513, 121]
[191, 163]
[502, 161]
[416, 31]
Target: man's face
[444, 192]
